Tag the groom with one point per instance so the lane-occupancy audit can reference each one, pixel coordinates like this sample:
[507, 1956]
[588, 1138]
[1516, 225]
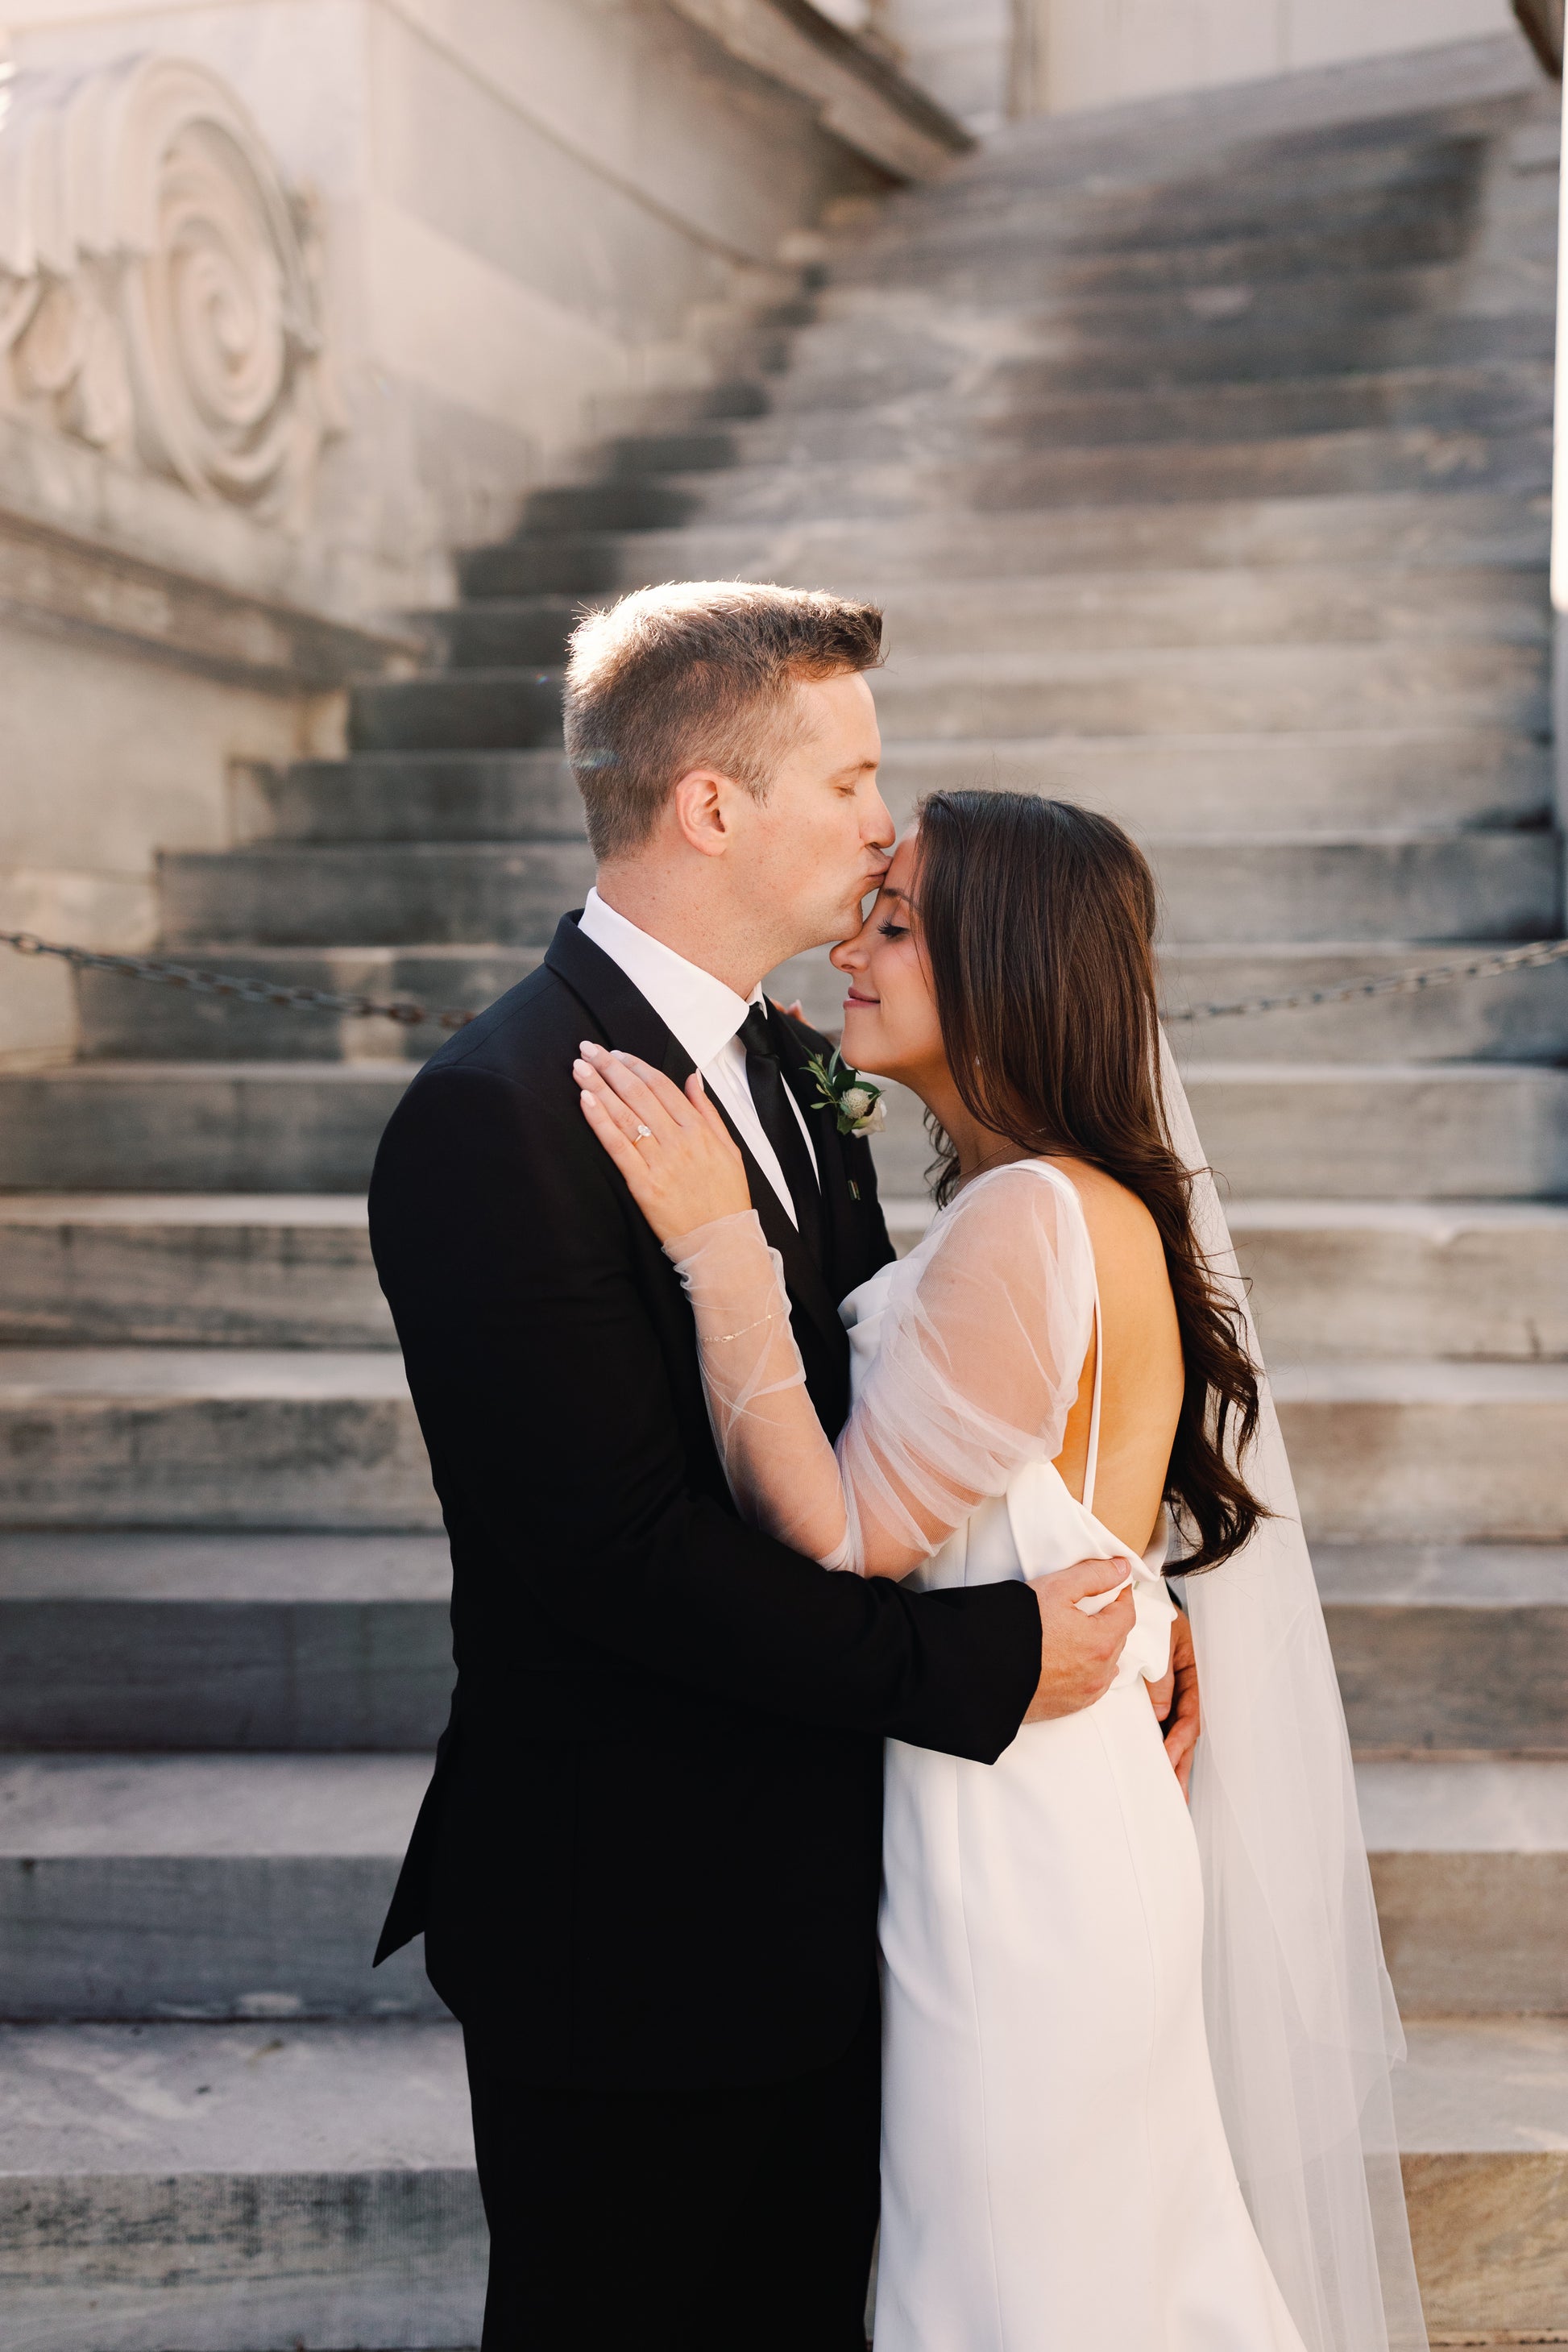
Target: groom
[646, 1867]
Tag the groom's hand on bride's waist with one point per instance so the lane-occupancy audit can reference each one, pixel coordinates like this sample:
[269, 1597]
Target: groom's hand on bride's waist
[1078, 1653]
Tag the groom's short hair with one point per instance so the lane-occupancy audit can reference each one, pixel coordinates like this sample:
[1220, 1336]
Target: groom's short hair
[696, 674]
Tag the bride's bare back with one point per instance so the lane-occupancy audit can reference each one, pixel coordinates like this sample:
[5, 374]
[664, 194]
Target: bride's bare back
[1142, 1383]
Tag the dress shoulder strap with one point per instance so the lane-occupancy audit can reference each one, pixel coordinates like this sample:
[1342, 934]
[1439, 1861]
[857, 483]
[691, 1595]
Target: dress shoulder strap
[1064, 1183]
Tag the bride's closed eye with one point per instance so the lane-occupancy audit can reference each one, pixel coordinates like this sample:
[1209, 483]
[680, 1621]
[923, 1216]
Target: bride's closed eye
[894, 930]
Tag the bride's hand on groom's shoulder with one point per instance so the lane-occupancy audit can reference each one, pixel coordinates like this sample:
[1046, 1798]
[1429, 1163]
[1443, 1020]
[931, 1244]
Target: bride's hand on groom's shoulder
[1079, 1652]
[679, 1159]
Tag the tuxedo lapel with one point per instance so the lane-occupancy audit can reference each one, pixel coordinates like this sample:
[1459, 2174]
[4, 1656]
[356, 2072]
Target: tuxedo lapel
[626, 1019]
[842, 1194]
[614, 1003]
[803, 1279]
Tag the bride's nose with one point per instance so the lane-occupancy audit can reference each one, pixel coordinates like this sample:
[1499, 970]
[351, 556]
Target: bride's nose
[849, 955]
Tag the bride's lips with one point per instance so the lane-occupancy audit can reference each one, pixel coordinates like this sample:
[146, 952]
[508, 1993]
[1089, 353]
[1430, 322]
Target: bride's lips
[853, 998]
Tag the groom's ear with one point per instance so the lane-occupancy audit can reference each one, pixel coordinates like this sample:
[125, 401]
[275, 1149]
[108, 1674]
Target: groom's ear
[700, 810]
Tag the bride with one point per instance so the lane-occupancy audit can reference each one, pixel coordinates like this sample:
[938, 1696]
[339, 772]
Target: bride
[1136, 2058]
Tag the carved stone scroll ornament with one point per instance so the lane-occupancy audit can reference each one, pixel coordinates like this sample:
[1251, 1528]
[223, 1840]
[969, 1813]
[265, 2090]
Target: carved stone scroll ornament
[158, 286]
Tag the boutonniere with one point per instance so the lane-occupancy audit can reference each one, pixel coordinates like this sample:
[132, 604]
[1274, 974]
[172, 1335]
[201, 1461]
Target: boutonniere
[856, 1104]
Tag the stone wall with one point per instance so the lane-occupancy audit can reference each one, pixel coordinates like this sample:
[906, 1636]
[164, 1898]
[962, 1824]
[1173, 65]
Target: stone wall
[296, 297]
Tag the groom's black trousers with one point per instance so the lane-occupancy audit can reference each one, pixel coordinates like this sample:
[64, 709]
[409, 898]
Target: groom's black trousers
[726, 2221]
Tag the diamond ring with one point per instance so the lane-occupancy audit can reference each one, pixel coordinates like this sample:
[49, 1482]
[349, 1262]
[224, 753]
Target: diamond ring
[642, 1131]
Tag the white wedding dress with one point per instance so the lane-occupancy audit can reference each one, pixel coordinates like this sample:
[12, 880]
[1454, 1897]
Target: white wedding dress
[1137, 2059]
[1055, 2170]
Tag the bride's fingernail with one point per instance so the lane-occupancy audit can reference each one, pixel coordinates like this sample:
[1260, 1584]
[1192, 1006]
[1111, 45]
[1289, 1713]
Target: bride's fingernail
[587, 1049]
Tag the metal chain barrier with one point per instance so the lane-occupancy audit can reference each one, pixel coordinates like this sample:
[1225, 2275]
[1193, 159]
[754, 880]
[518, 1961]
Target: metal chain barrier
[411, 1014]
[404, 1010]
[1392, 983]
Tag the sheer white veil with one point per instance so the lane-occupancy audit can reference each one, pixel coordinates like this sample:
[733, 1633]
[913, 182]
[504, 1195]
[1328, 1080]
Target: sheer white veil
[1301, 2018]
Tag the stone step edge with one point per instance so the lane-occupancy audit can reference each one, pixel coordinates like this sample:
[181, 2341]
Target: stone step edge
[903, 1214]
[84, 1807]
[1391, 836]
[378, 2055]
[178, 1566]
[150, 1374]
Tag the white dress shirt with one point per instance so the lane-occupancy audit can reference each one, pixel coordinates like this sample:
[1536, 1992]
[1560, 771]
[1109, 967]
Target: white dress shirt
[704, 1015]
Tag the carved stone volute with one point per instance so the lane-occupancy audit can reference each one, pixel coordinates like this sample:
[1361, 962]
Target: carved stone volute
[159, 285]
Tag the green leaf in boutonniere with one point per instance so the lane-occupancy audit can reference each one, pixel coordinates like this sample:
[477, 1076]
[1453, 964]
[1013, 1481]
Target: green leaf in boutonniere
[854, 1102]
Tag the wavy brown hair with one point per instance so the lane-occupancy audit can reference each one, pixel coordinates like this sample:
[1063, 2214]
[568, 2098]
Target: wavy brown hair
[1037, 926]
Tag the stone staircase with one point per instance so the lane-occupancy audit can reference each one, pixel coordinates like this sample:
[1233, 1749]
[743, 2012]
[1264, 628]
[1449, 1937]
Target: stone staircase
[1203, 476]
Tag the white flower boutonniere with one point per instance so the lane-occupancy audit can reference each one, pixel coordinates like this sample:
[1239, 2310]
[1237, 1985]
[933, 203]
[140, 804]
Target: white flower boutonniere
[855, 1102]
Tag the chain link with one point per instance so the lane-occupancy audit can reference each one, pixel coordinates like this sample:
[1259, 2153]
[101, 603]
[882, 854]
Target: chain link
[411, 1014]
[1392, 983]
[407, 1011]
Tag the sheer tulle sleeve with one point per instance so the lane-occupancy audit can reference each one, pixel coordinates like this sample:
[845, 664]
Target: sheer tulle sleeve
[979, 1356]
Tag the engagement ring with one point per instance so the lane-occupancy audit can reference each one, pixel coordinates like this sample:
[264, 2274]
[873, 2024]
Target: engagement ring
[642, 1131]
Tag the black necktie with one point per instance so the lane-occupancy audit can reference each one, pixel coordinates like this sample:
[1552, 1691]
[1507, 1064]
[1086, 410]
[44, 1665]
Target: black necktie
[781, 1126]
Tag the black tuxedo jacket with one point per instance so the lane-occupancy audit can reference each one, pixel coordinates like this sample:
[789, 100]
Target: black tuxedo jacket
[649, 1855]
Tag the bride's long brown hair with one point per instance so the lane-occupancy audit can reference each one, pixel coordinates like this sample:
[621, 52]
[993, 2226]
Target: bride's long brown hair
[1038, 924]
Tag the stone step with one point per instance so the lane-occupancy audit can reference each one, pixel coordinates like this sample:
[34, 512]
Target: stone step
[1226, 154]
[535, 636]
[862, 346]
[262, 2187]
[1190, 227]
[1482, 1131]
[967, 421]
[212, 1437]
[479, 710]
[1429, 887]
[153, 1640]
[1469, 1862]
[156, 1639]
[414, 796]
[1346, 1130]
[1331, 1277]
[1097, 613]
[1195, 690]
[1301, 607]
[1451, 1647]
[245, 1887]
[1519, 1017]
[1024, 250]
[214, 1126]
[1413, 1451]
[1394, 265]
[1506, 267]
[1340, 779]
[1366, 461]
[266, 2188]
[919, 359]
[126, 1020]
[189, 1269]
[1394, 530]
[507, 893]
[204, 1886]
[317, 1440]
[1419, 886]
[1482, 2113]
[1409, 1278]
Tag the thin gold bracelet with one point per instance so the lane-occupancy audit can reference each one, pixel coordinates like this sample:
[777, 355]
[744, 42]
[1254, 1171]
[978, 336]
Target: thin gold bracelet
[717, 1338]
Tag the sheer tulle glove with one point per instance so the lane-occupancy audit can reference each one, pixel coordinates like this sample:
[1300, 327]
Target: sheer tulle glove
[750, 1365]
[679, 1160]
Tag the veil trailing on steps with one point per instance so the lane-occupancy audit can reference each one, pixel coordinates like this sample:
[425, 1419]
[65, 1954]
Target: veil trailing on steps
[1301, 2020]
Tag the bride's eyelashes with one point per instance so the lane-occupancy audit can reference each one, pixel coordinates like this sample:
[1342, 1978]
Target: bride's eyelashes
[894, 930]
